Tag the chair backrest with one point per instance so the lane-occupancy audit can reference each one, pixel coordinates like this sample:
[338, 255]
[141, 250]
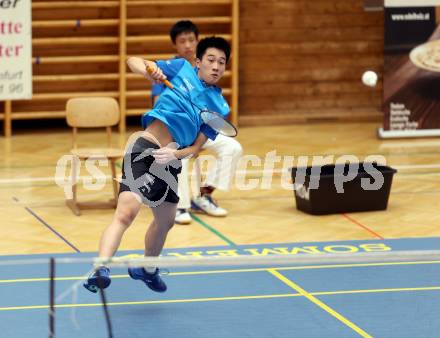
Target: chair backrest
[92, 112]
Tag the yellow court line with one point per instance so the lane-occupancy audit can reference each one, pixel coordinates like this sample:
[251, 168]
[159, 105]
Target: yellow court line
[322, 305]
[208, 272]
[189, 300]
[192, 300]
[353, 292]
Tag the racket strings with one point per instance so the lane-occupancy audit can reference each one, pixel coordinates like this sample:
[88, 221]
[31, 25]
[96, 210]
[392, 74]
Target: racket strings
[218, 123]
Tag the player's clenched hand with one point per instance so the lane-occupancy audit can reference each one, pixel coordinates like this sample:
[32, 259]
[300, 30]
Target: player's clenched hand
[154, 72]
[165, 154]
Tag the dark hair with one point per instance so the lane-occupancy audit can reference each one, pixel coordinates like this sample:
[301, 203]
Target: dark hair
[183, 26]
[213, 42]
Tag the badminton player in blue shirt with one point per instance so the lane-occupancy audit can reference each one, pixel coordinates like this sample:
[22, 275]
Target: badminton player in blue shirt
[173, 130]
[227, 151]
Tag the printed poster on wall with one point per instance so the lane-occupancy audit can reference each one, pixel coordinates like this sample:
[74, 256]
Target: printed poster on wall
[411, 86]
[15, 50]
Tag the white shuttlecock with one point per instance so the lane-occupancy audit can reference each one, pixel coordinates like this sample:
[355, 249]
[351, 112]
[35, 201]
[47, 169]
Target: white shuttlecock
[369, 78]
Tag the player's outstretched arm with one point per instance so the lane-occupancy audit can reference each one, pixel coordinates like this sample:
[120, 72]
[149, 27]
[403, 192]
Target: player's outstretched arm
[139, 66]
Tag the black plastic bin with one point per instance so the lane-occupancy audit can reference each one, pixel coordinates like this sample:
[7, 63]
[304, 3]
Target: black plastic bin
[342, 188]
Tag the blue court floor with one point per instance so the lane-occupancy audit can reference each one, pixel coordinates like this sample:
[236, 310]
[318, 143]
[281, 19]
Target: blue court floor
[339, 300]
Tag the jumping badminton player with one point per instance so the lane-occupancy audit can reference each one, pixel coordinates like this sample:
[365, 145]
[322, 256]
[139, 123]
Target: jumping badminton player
[228, 151]
[173, 130]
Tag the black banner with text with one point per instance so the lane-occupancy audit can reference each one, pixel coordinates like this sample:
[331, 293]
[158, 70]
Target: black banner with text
[411, 91]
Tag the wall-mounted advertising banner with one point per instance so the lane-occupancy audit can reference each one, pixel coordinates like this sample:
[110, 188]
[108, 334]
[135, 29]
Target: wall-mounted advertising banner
[411, 86]
[15, 49]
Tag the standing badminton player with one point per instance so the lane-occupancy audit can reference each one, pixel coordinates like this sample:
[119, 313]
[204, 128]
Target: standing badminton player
[173, 130]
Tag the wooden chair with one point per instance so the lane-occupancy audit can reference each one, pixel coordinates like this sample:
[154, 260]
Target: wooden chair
[92, 112]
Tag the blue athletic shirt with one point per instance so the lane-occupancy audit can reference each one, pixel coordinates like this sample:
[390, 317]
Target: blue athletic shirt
[176, 111]
[157, 89]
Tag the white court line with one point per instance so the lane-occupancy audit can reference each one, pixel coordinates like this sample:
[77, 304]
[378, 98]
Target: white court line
[417, 166]
[239, 172]
[280, 171]
[39, 179]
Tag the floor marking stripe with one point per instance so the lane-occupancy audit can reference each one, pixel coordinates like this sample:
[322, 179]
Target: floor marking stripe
[188, 300]
[47, 225]
[320, 304]
[213, 230]
[362, 226]
[255, 172]
[208, 272]
[194, 300]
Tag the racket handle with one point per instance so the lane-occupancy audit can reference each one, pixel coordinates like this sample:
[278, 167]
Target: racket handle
[165, 81]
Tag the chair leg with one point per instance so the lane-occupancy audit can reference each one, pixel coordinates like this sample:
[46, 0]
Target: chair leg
[72, 203]
[114, 182]
[74, 207]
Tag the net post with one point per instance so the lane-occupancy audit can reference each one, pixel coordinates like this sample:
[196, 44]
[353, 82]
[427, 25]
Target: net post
[52, 298]
[105, 308]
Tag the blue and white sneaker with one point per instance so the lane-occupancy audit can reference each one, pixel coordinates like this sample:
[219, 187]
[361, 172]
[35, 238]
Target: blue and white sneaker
[152, 280]
[99, 279]
[206, 204]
